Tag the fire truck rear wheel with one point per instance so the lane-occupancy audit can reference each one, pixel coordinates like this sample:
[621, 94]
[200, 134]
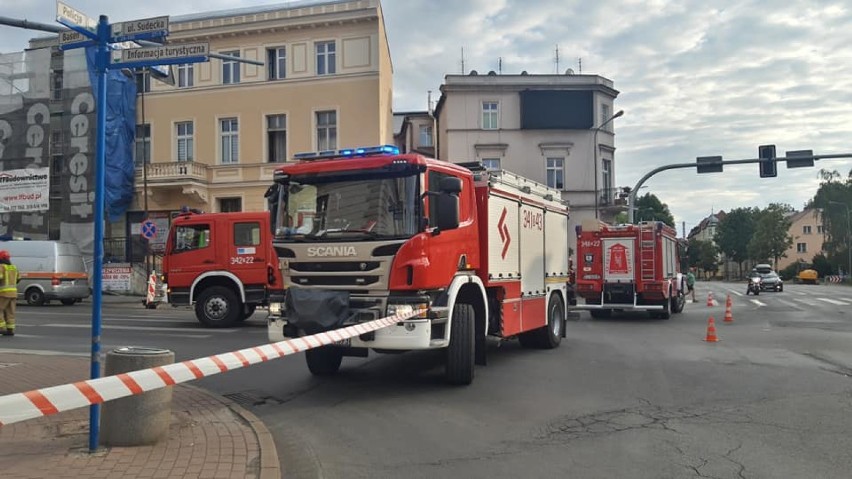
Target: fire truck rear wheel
[324, 361]
[460, 353]
[218, 307]
[549, 336]
[666, 312]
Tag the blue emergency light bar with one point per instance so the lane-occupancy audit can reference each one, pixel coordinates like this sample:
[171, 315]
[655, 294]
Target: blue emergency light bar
[347, 153]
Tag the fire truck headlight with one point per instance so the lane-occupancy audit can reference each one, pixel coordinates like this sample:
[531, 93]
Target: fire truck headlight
[275, 309]
[407, 309]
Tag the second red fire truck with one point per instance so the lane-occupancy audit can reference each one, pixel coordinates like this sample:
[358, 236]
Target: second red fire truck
[629, 267]
[362, 234]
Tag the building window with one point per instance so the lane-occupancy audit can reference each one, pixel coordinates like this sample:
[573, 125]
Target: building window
[489, 115]
[184, 130]
[231, 68]
[425, 135]
[326, 130]
[555, 174]
[143, 145]
[57, 85]
[806, 230]
[801, 247]
[276, 63]
[605, 112]
[143, 80]
[326, 64]
[820, 229]
[276, 138]
[230, 205]
[491, 163]
[185, 75]
[229, 131]
[606, 181]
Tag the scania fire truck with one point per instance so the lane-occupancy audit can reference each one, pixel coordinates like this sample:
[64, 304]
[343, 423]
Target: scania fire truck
[223, 264]
[362, 234]
[629, 267]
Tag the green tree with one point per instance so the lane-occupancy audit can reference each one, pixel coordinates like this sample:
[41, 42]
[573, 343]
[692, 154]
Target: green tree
[734, 233]
[771, 237]
[834, 199]
[703, 255]
[650, 208]
[821, 265]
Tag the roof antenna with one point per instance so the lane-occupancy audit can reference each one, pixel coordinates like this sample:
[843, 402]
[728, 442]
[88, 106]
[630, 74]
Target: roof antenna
[557, 59]
[462, 60]
[580, 64]
[499, 65]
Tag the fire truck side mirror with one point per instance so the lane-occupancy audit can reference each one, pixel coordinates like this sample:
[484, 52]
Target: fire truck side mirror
[447, 211]
[451, 185]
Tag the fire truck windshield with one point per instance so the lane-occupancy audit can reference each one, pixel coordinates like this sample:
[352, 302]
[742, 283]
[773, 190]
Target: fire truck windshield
[354, 208]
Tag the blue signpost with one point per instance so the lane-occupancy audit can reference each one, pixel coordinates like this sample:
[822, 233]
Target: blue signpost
[100, 34]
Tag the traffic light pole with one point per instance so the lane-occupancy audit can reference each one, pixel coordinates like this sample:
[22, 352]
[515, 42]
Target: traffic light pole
[631, 200]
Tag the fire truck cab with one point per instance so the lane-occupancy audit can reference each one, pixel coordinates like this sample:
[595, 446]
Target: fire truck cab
[222, 263]
[629, 267]
[362, 234]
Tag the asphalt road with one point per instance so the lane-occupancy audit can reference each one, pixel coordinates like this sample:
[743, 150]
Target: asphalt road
[622, 397]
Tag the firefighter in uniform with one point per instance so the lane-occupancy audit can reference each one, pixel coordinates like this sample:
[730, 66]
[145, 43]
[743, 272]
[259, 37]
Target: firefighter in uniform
[8, 294]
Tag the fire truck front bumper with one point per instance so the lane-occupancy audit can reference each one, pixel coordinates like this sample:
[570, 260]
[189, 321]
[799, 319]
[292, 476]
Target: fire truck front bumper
[403, 336]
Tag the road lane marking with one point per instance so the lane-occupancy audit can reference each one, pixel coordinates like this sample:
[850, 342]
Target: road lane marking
[834, 301]
[134, 328]
[788, 303]
[42, 352]
[805, 301]
[757, 302]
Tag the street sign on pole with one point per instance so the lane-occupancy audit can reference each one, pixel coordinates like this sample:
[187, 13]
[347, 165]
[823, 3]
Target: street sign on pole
[73, 39]
[709, 164]
[800, 158]
[149, 230]
[76, 20]
[163, 55]
[155, 27]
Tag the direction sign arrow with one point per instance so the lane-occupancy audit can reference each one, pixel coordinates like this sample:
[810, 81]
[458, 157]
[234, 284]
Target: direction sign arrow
[163, 55]
[76, 20]
[140, 29]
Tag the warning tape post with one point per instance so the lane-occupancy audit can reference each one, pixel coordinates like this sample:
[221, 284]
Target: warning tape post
[19, 407]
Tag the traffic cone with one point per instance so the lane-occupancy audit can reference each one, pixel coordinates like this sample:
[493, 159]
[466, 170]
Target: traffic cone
[710, 299]
[729, 318]
[151, 297]
[711, 332]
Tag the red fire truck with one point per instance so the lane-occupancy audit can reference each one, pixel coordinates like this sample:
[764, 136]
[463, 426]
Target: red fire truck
[222, 263]
[629, 267]
[362, 234]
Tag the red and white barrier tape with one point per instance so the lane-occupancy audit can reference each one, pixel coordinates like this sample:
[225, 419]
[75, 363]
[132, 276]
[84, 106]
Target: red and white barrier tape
[52, 400]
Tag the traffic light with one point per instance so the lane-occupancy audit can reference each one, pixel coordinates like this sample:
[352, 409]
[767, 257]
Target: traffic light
[768, 167]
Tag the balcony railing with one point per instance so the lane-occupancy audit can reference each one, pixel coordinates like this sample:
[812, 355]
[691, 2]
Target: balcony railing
[182, 170]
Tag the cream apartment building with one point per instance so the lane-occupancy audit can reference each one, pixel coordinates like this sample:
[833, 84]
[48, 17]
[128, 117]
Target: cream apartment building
[808, 235]
[213, 140]
[554, 129]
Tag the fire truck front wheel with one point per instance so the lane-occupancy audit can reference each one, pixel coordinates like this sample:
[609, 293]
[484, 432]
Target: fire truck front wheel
[460, 353]
[218, 307]
[324, 361]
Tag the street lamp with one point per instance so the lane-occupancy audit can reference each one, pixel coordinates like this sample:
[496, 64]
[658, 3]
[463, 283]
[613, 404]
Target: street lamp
[595, 146]
[848, 239]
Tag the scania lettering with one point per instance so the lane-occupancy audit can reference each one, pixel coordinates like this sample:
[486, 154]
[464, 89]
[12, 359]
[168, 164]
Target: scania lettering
[629, 268]
[365, 233]
[223, 264]
[332, 251]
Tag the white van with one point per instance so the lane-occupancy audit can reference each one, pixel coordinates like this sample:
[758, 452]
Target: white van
[49, 270]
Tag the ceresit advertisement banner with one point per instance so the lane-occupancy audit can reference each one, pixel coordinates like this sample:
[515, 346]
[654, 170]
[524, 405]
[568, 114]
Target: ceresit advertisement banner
[24, 190]
[618, 259]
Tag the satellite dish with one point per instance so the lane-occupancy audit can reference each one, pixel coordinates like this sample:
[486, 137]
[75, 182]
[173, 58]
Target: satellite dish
[524, 73]
[492, 73]
[569, 71]
[474, 73]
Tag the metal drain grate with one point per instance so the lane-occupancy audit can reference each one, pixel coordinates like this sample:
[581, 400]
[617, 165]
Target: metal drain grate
[251, 399]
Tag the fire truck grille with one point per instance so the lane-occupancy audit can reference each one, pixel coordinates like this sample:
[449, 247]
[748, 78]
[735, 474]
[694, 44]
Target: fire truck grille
[335, 280]
[333, 267]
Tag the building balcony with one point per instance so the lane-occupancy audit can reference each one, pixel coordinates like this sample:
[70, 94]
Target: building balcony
[180, 177]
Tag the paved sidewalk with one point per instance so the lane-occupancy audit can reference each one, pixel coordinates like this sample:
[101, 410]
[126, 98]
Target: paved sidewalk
[209, 437]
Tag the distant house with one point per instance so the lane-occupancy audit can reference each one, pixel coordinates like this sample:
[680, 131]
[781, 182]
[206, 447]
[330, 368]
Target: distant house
[706, 229]
[808, 236]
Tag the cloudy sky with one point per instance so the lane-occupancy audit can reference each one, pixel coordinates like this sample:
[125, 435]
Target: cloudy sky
[697, 77]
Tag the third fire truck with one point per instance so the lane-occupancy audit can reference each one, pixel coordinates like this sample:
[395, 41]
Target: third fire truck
[362, 234]
[629, 267]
